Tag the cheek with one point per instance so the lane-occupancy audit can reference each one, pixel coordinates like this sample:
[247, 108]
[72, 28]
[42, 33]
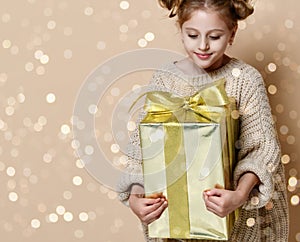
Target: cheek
[189, 44]
[220, 45]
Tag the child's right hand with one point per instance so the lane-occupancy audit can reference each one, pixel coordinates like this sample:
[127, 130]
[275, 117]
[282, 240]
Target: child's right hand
[146, 209]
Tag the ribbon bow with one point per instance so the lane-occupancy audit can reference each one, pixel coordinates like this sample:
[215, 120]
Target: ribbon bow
[205, 104]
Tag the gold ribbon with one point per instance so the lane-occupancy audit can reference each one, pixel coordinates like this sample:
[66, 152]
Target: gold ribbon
[204, 106]
[207, 105]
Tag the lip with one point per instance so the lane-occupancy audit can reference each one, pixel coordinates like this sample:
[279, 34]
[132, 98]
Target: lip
[203, 56]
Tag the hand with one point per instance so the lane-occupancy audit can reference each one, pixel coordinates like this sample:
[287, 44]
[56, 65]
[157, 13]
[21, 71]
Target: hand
[222, 202]
[146, 209]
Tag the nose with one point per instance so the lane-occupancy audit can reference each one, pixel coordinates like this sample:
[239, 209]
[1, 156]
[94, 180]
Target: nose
[203, 45]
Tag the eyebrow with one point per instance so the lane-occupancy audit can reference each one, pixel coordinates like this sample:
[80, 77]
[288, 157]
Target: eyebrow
[212, 30]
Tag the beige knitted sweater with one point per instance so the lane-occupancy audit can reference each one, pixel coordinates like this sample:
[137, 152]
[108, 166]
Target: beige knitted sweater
[264, 217]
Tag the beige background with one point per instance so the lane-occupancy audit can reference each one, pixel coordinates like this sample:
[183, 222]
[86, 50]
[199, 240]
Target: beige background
[48, 48]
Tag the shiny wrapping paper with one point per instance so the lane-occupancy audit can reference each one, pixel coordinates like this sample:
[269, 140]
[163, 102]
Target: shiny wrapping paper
[188, 147]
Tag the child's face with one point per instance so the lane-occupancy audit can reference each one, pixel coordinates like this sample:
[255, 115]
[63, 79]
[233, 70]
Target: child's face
[205, 38]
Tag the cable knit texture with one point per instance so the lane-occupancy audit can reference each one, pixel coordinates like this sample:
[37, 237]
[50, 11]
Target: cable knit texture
[258, 149]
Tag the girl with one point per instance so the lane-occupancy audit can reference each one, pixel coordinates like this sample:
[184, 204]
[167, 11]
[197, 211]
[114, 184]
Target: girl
[207, 28]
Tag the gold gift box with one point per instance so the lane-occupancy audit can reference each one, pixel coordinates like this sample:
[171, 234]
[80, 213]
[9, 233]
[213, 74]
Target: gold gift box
[188, 147]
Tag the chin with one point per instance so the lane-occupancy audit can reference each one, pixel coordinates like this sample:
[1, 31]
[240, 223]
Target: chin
[203, 66]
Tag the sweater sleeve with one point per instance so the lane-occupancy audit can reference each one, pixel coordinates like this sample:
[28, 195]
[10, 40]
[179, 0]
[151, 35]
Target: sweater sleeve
[258, 142]
[132, 173]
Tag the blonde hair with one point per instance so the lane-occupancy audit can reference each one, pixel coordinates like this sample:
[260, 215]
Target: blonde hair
[230, 10]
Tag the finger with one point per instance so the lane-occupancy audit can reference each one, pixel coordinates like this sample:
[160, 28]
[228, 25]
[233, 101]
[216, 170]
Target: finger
[215, 192]
[211, 204]
[205, 196]
[210, 209]
[152, 207]
[215, 201]
[151, 201]
[154, 215]
[214, 207]
[216, 212]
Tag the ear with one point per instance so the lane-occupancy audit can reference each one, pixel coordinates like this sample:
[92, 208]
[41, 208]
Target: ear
[233, 35]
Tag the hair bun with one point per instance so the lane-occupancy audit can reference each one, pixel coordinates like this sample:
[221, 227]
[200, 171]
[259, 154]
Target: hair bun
[171, 5]
[242, 8]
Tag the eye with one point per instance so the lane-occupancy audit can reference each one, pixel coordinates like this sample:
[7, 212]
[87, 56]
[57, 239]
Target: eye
[193, 36]
[215, 37]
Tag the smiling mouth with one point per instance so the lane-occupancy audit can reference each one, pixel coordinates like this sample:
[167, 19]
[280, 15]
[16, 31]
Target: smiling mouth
[203, 56]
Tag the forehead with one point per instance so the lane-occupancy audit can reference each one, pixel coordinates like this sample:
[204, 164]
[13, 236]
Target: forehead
[205, 20]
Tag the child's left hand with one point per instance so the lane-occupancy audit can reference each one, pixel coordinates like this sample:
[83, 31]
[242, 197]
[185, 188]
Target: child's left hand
[222, 202]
